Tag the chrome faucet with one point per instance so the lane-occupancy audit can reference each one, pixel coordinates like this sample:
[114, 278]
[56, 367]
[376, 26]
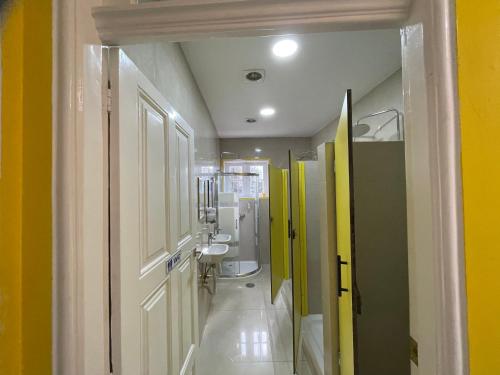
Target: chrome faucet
[211, 237]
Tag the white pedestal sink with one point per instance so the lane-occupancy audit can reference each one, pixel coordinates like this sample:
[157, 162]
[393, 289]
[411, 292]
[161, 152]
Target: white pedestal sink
[214, 253]
[221, 238]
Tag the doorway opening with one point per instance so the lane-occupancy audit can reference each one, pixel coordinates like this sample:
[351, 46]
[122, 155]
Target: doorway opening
[264, 113]
[190, 109]
[238, 215]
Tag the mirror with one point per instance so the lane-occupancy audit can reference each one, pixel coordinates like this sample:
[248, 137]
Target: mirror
[210, 192]
[201, 199]
[210, 209]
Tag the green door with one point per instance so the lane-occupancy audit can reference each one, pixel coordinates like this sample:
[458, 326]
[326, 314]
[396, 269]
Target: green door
[345, 239]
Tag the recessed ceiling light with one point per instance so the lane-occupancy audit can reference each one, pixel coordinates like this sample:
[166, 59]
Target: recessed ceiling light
[250, 120]
[258, 150]
[285, 48]
[267, 111]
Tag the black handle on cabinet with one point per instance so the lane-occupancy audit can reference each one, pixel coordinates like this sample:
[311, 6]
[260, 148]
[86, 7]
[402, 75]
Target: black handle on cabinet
[340, 262]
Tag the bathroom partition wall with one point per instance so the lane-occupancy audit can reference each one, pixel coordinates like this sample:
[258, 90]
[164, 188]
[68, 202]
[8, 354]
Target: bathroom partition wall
[379, 190]
[313, 260]
[237, 202]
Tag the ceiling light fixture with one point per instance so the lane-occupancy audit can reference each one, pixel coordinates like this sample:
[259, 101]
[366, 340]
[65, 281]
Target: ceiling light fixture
[254, 76]
[285, 48]
[267, 111]
[258, 150]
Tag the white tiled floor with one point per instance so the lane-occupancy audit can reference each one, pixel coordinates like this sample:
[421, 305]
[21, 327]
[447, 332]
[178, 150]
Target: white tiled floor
[245, 334]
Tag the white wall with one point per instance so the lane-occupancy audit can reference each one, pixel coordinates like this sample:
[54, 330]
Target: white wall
[388, 94]
[264, 231]
[421, 256]
[165, 66]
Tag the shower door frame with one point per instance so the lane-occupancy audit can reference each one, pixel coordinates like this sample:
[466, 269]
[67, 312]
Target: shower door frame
[83, 27]
[257, 213]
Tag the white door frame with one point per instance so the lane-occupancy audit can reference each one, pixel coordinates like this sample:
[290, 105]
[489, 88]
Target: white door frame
[80, 146]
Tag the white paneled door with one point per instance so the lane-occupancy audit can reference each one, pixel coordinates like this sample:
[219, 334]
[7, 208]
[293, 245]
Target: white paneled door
[153, 269]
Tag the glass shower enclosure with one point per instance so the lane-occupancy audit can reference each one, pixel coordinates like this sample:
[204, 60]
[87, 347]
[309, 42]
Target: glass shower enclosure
[237, 202]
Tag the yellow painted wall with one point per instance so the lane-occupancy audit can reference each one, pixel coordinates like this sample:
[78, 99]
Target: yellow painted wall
[11, 197]
[478, 37]
[25, 190]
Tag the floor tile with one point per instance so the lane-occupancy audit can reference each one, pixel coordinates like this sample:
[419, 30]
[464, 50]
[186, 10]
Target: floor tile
[255, 369]
[246, 334]
[278, 303]
[240, 335]
[236, 296]
[283, 368]
[281, 331]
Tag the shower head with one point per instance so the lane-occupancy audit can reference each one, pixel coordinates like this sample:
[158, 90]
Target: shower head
[307, 156]
[360, 129]
[364, 128]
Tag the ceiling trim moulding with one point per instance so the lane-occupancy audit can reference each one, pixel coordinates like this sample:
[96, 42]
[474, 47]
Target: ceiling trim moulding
[175, 20]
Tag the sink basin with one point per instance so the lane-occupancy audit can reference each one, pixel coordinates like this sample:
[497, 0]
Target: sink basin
[222, 238]
[214, 253]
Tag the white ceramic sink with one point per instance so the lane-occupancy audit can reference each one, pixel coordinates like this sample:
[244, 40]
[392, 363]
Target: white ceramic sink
[221, 238]
[214, 253]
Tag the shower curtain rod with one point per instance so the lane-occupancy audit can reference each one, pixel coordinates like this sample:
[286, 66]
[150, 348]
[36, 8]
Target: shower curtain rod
[226, 174]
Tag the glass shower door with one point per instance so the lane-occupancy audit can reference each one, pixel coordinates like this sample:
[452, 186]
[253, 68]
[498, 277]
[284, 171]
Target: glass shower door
[238, 216]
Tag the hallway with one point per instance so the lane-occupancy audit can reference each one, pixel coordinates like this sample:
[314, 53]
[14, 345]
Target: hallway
[245, 334]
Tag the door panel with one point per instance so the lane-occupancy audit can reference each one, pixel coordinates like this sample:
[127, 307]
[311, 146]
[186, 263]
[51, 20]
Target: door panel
[187, 315]
[185, 301]
[154, 313]
[155, 317]
[183, 182]
[303, 239]
[186, 308]
[139, 222]
[345, 238]
[381, 258]
[286, 216]
[153, 142]
[277, 224]
[296, 254]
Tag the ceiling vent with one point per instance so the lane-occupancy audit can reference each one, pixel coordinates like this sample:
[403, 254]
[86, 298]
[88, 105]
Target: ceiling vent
[254, 75]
